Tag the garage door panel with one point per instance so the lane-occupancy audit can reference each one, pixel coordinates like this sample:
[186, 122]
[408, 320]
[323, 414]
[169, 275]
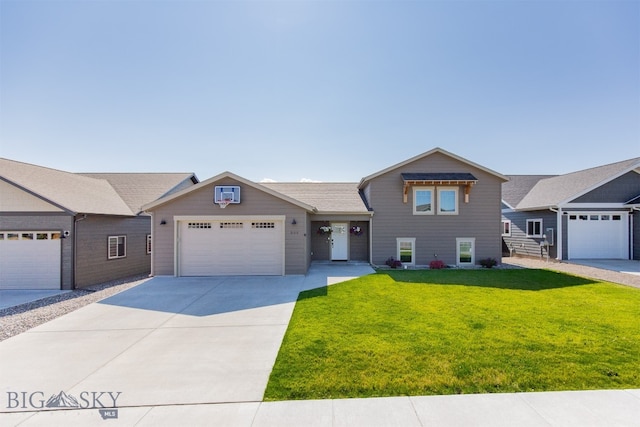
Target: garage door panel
[231, 247]
[30, 260]
[598, 235]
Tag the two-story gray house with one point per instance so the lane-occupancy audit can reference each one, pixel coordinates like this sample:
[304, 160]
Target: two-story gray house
[435, 206]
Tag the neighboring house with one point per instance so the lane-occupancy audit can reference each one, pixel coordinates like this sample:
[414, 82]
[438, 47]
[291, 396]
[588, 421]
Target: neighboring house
[592, 213]
[433, 206]
[61, 230]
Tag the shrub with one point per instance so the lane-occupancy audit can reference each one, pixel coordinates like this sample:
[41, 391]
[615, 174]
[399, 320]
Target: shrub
[393, 263]
[488, 262]
[436, 264]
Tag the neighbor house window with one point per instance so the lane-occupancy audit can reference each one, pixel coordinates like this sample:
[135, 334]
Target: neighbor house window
[447, 201]
[422, 201]
[148, 243]
[117, 247]
[534, 228]
[506, 227]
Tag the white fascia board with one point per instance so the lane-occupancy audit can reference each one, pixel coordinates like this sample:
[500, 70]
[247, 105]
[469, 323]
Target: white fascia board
[594, 206]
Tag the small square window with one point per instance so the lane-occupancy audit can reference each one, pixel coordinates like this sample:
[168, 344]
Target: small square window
[117, 247]
[534, 228]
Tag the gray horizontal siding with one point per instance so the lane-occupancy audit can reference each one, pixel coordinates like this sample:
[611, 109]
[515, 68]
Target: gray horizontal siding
[519, 244]
[435, 234]
[92, 263]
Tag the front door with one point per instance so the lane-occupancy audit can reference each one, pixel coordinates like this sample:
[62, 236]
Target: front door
[339, 241]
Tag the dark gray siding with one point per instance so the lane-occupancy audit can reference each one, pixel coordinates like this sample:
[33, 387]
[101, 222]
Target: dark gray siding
[620, 190]
[92, 263]
[253, 202]
[519, 244]
[46, 222]
[435, 234]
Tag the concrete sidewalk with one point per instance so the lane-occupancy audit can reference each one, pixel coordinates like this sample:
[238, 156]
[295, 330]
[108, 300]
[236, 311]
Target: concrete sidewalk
[608, 408]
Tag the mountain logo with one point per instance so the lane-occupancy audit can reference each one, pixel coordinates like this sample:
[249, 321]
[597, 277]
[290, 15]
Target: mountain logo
[62, 400]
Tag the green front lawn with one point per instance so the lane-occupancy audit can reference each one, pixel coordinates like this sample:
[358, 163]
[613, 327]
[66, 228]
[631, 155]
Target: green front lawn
[399, 333]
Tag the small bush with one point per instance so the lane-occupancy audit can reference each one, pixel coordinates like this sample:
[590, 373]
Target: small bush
[393, 263]
[436, 264]
[488, 262]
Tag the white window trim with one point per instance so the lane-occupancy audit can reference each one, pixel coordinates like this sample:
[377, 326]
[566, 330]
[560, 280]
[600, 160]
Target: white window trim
[473, 251]
[114, 240]
[148, 243]
[430, 212]
[506, 221]
[412, 240]
[541, 227]
[455, 190]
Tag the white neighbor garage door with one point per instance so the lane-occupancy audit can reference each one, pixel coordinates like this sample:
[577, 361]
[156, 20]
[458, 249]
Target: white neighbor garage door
[237, 246]
[29, 260]
[599, 235]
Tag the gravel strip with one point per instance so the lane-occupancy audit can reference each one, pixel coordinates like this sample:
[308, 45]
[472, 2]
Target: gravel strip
[576, 269]
[21, 318]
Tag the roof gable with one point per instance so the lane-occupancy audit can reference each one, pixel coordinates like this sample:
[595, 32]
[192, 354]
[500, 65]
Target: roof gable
[213, 180]
[558, 190]
[366, 179]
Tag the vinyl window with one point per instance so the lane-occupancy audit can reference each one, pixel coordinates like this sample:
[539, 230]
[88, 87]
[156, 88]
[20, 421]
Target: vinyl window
[534, 228]
[423, 201]
[117, 247]
[447, 201]
[506, 227]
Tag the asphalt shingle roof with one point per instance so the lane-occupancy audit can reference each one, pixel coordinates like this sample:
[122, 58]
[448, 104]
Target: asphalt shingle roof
[138, 189]
[562, 188]
[514, 190]
[324, 196]
[104, 194]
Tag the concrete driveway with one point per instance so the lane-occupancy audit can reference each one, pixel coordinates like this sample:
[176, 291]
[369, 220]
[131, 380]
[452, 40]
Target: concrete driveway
[167, 341]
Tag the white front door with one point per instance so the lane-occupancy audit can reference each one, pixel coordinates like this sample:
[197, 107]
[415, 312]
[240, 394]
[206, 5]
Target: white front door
[339, 241]
[465, 251]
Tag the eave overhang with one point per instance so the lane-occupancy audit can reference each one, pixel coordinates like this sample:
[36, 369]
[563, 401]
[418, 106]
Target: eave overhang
[448, 178]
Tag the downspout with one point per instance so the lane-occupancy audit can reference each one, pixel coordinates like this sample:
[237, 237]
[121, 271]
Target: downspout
[152, 244]
[371, 240]
[558, 238]
[75, 247]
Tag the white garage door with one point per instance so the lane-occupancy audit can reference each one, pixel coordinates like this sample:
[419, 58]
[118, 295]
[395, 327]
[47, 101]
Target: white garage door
[29, 260]
[231, 247]
[599, 235]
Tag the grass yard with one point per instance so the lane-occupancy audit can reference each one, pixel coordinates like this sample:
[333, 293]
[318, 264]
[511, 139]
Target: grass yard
[399, 333]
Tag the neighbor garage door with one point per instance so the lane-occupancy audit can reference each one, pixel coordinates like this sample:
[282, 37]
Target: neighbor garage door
[598, 235]
[231, 247]
[29, 260]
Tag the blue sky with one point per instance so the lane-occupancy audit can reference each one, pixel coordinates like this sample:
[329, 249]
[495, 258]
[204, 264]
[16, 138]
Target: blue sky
[329, 91]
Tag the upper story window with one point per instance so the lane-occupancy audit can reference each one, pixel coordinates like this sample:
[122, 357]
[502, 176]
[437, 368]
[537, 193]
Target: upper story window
[117, 247]
[447, 201]
[534, 228]
[423, 201]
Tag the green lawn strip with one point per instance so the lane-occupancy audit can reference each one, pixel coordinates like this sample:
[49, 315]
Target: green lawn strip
[455, 331]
